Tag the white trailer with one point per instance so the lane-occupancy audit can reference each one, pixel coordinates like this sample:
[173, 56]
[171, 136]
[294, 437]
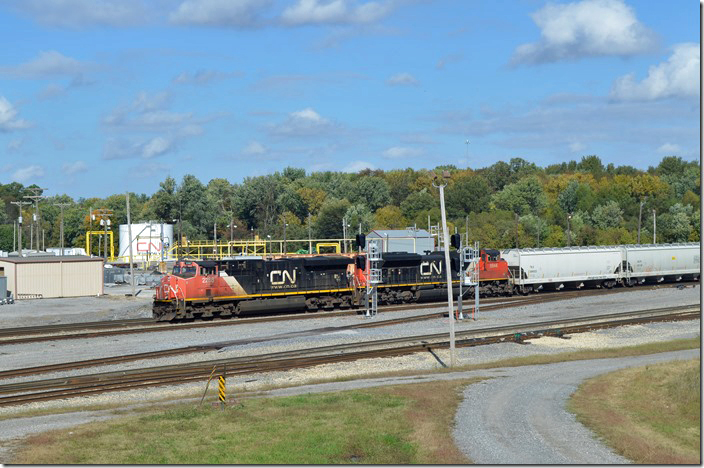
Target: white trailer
[658, 262]
[555, 268]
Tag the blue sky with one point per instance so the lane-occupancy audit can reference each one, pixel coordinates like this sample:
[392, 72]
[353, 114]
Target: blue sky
[102, 96]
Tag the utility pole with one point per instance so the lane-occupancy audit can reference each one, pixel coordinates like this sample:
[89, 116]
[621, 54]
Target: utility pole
[103, 215]
[640, 214]
[19, 222]
[344, 234]
[516, 217]
[36, 197]
[440, 183]
[654, 231]
[285, 224]
[215, 239]
[129, 234]
[61, 229]
[310, 243]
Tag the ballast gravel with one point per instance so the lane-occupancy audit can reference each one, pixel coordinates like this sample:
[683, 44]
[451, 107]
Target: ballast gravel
[276, 337]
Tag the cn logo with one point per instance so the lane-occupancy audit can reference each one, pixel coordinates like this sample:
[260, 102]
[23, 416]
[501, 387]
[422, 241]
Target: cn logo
[427, 268]
[149, 246]
[279, 277]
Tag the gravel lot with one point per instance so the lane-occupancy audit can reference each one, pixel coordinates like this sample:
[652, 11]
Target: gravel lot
[117, 306]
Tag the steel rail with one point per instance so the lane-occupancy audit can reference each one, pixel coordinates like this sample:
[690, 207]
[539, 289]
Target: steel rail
[219, 345]
[165, 375]
[120, 327]
[148, 326]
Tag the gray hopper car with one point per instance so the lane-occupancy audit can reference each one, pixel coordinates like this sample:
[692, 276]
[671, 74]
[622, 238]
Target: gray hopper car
[605, 266]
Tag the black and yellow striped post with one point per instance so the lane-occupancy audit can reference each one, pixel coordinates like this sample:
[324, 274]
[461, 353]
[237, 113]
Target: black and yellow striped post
[221, 390]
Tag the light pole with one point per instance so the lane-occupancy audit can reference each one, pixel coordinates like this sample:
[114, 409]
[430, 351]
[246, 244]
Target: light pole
[344, 233]
[62, 206]
[569, 233]
[269, 237]
[310, 242]
[467, 153]
[285, 249]
[19, 224]
[640, 214]
[440, 183]
[654, 230]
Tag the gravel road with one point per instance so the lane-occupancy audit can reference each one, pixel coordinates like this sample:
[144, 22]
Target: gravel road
[520, 417]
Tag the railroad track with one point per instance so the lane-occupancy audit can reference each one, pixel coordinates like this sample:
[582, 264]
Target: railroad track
[24, 335]
[220, 345]
[68, 387]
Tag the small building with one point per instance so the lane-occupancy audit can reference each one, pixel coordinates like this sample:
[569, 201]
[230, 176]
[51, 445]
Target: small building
[404, 240]
[52, 276]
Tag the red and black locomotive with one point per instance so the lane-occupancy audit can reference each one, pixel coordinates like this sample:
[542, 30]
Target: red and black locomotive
[205, 289]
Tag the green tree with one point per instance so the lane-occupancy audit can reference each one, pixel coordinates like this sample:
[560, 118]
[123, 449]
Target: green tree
[674, 226]
[568, 198]
[357, 215]
[608, 215]
[591, 164]
[197, 214]
[469, 193]
[417, 202]
[389, 217]
[373, 192]
[328, 224]
[523, 197]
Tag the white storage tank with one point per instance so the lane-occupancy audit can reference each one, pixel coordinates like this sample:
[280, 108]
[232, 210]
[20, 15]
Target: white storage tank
[149, 239]
[658, 261]
[556, 267]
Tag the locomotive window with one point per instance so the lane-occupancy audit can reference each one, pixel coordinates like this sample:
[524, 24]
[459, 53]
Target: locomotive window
[207, 271]
[184, 271]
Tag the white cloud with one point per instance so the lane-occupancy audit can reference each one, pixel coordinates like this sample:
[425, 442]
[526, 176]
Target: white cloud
[47, 64]
[15, 145]
[78, 13]
[452, 58]
[585, 29]
[254, 148]
[356, 166]
[669, 149]
[402, 79]
[577, 146]
[399, 152]
[8, 117]
[74, 167]
[678, 77]
[202, 77]
[334, 12]
[226, 13]
[306, 122]
[156, 147]
[25, 174]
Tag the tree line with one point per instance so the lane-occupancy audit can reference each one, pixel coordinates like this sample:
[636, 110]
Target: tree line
[506, 204]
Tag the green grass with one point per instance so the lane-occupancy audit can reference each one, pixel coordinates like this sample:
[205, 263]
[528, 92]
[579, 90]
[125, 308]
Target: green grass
[649, 414]
[367, 427]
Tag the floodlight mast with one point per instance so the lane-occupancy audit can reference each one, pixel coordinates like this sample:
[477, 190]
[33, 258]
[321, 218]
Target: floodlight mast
[440, 183]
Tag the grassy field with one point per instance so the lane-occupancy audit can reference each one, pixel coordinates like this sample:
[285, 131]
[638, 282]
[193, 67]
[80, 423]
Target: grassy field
[388, 425]
[650, 414]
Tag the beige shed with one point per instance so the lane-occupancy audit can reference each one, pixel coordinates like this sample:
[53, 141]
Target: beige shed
[47, 276]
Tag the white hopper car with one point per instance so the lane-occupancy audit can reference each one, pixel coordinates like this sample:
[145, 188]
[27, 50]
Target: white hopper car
[605, 266]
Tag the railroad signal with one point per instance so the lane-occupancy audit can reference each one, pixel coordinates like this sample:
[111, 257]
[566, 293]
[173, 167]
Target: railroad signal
[361, 240]
[455, 241]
